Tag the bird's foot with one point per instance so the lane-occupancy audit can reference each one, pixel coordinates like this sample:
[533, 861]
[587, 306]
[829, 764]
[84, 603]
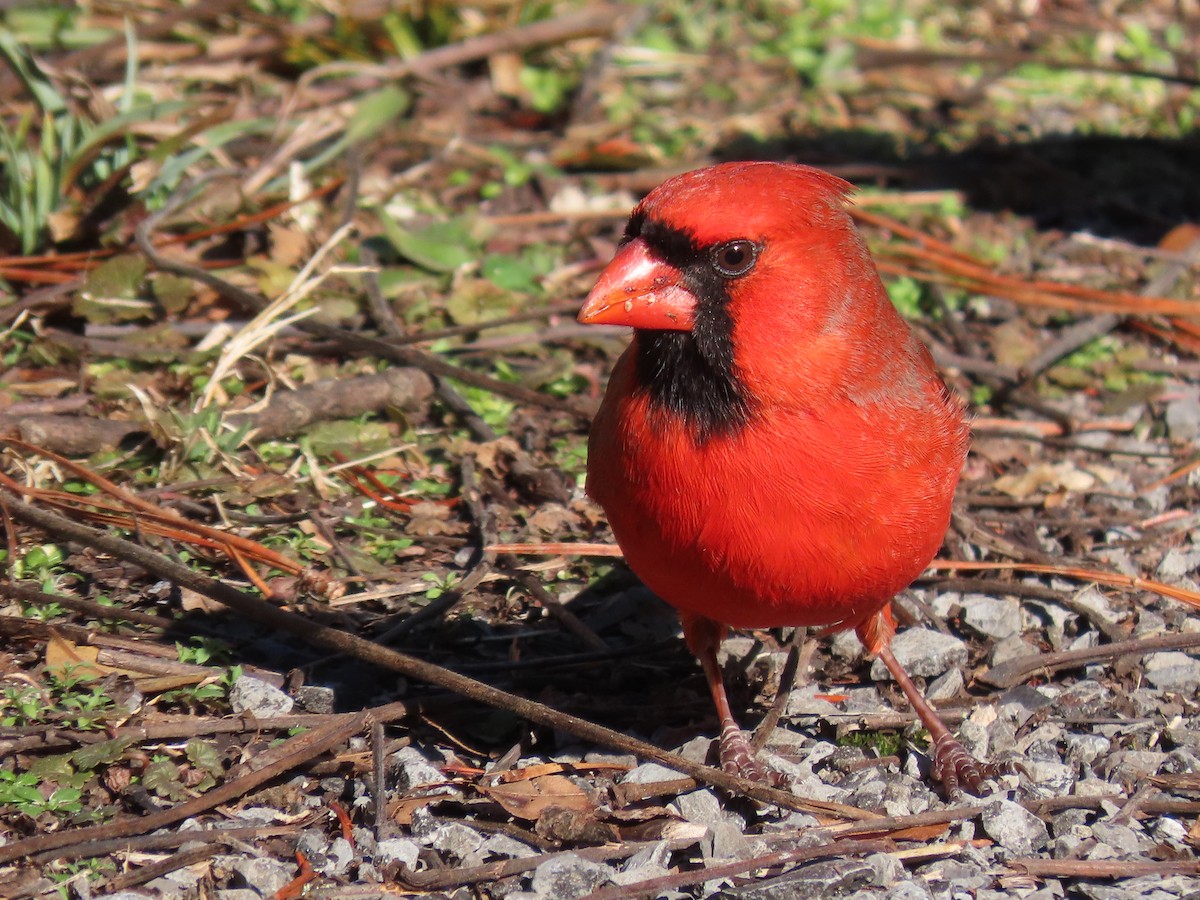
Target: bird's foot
[738, 758]
[955, 768]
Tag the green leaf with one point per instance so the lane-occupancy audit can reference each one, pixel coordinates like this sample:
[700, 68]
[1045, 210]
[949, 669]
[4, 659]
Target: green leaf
[440, 247]
[162, 777]
[90, 756]
[375, 111]
[204, 755]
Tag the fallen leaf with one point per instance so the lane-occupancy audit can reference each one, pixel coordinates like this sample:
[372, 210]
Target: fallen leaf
[529, 798]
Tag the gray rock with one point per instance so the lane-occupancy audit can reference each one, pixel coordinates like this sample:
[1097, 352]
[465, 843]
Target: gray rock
[651, 862]
[180, 883]
[1019, 703]
[1098, 606]
[1183, 415]
[569, 876]
[923, 653]
[886, 868]
[503, 845]
[1087, 748]
[316, 699]
[1172, 670]
[1121, 838]
[265, 875]
[828, 878]
[700, 807]
[1014, 828]
[946, 686]
[1167, 830]
[1011, 648]
[1050, 779]
[650, 773]
[338, 857]
[414, 769]
[258, 815]
[1178, 563]
[846, 645]
[992, 617]
[231, 894]
[257, 698]
[459, 841]
[397, 850]
[1135, 765]
[908, 890]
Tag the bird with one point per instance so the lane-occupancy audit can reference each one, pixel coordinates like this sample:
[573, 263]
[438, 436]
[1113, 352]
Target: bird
[775, 447]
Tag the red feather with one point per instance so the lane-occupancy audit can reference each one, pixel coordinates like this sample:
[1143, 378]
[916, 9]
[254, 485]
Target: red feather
[775, 447]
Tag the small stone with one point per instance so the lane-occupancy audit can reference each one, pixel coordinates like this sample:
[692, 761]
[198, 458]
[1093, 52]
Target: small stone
[1169, 831]
[650, 773]
[1136, 765]
[888, 870]
[253, 696]
[1183, 415]
[830, 878]
[1172, 670]
[1050, 779]
[1097, 604]
[458, 840]
[1014, 828]
[908, 890]
[1178, 563]
[569, 876]
[846, 645]
[923, 653]
[1019, 703]
[316, 699]
[233, 894]
[946, 686]
[338, 857]
[1011, 648]
[991, 616]
[397, 850]
[701, 807]
[1087, 748]
[414, 769]
[503, 845]
[265, 875]
[1121, 838]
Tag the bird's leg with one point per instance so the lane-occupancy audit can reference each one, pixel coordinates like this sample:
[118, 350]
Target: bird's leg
[703, 637]
[952, 764]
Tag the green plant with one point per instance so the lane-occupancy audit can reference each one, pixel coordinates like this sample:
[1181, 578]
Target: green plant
[440, 583]
[205, 651]
[22, 792]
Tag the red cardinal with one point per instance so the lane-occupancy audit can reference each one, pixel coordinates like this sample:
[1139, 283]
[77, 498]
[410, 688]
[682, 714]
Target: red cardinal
[775, 447]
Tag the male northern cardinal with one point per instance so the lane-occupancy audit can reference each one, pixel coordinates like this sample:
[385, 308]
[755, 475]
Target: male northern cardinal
[775, 447]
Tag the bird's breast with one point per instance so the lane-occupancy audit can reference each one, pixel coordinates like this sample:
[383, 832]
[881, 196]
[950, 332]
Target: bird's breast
[796, 518]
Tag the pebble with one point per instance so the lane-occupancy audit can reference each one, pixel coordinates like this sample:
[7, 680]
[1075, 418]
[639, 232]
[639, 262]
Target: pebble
[827, 878]
[992, 616]
[1183, 415]
[568, 876]
[263, 874]
[1172, 670]
[397, 850]
[1014, 827]
[414, 770]
[923, 653]
[253, 696]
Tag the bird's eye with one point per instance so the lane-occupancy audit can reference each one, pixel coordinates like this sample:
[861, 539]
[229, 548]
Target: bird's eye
[735, 258]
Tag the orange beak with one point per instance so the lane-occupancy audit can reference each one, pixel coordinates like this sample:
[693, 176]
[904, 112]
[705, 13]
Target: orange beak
[641, 291]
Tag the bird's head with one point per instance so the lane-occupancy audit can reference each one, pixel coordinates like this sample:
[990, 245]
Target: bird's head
[750, 276]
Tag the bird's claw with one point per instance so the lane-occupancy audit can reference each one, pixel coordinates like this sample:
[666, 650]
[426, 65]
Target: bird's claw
[955, 768]
[738, 758]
